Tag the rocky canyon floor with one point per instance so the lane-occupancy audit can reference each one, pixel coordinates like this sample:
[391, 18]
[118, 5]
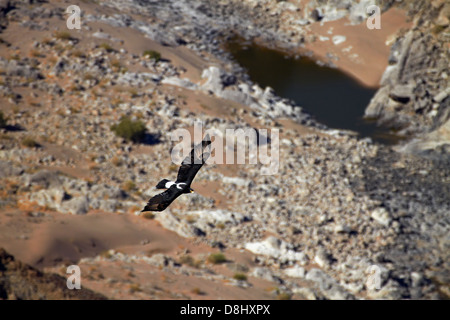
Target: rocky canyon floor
[71, 190]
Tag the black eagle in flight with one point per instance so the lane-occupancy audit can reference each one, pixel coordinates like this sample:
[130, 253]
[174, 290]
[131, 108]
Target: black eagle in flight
[189, 168]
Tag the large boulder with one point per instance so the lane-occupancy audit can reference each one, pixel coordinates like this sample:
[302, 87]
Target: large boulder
[19, 281]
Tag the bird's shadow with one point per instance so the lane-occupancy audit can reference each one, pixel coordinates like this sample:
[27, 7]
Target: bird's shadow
[151, 139]
[14, 128]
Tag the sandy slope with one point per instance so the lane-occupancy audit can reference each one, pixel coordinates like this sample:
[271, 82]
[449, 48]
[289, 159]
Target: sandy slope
[53, 239]
[364, 54]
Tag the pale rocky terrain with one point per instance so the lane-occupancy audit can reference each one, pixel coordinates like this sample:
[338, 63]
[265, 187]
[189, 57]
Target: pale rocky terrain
[71, 190]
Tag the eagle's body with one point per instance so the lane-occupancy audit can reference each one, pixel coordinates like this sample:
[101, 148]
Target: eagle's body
[186, 174]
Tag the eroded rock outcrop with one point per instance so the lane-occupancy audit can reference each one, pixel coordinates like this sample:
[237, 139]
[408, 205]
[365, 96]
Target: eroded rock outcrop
[414, 96]
[20, 281]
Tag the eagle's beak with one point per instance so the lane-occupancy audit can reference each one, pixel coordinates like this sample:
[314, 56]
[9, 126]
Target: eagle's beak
[192, 190]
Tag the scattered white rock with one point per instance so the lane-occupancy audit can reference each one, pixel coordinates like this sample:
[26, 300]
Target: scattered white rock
[342, 228]
[266, 274]
[76, 205]
[329, 287]
[381, 216]
[442, 95]
[276, 248]
[295, 272]
[184, 83]
[306, 293]
[236, 180]
[338, 39]
[322, 258]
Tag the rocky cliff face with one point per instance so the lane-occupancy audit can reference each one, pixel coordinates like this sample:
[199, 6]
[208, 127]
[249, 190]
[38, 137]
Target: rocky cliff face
[414, 96]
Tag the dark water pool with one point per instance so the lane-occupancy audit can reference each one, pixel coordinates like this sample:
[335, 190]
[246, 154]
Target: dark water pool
[331, 96]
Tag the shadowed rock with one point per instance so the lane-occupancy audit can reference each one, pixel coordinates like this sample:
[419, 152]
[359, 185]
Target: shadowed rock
[22, 282]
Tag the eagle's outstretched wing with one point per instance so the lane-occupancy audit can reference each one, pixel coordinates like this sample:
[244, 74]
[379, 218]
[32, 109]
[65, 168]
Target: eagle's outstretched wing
[162, 200]
[189, 168]
[194, 161]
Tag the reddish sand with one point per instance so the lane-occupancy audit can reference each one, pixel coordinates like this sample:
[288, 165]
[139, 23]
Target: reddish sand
[367, 58]
[57, 239]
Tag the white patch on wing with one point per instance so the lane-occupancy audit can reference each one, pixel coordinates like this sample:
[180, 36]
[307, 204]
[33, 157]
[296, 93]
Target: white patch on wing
[169, 184]
[179, 185]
